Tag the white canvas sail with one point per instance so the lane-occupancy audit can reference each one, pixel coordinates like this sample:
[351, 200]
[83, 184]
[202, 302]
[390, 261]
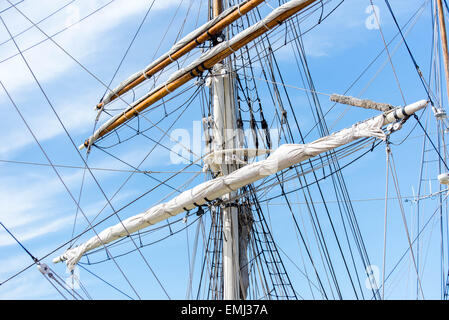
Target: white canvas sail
[284, 157]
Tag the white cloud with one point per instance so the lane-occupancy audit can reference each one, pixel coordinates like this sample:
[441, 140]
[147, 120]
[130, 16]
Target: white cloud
[35, 204]
[49, 63]
[30, 286]
[350, 18]
[76, 116]
[32, 232]
[47, 60]
[32, 201]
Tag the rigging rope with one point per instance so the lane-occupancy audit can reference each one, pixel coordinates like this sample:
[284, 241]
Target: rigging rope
[43, 268]
[58, 32]
[63, 126]
[19, 243]
[387, 175]
[129, 46]
[388, 53]
[431, 142]
[421, 77]
[396, 184]
[38, 22]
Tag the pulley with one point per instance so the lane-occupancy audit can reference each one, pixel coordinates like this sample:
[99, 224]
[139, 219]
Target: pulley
[440, 114]
[444, 178]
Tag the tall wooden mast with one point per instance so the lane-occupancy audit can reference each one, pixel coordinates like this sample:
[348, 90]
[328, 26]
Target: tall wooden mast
[225, 126]
[443, 35]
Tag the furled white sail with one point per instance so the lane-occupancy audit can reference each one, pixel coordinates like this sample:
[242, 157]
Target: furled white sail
[284, 157]
[217, 51]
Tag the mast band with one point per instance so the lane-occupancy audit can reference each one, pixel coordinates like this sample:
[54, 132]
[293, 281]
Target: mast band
[395, 114]
[404, 113]
[230, 204]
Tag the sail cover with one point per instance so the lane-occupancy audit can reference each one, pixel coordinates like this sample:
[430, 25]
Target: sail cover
[285, 156]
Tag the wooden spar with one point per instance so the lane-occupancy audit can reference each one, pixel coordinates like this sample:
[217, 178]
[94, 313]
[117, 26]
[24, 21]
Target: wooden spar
[212, 31]
[443, 35]
[189, 75]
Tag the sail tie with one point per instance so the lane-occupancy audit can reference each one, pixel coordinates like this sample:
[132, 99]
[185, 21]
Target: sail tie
[230, 47]
[144, 73]
[238, 9]
[166, 88]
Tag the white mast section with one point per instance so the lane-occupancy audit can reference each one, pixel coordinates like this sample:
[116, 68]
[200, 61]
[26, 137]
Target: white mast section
[284, 157]
[225, 127]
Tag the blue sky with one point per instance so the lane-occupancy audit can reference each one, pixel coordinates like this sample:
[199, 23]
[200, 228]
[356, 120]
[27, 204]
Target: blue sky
[37, 209]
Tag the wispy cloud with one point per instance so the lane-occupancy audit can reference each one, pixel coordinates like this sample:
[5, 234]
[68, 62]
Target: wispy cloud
[46, 59]
[351, 18]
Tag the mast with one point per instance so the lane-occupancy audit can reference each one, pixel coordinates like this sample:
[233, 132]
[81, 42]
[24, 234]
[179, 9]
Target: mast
[443, 35]
[225, 126]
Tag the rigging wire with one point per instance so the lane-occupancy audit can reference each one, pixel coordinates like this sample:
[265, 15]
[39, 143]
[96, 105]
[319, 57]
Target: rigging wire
[431, 142]
[41, 267]
[19, 243]
[35, 138]
[46, 156]
[6, 9]
[74, 145]
[388, 53]
[420, 74]
[396, 184]
[40, 164]
[129, 46]
[60, 31]
[256, 46]
[415, 239]
[38, 22]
